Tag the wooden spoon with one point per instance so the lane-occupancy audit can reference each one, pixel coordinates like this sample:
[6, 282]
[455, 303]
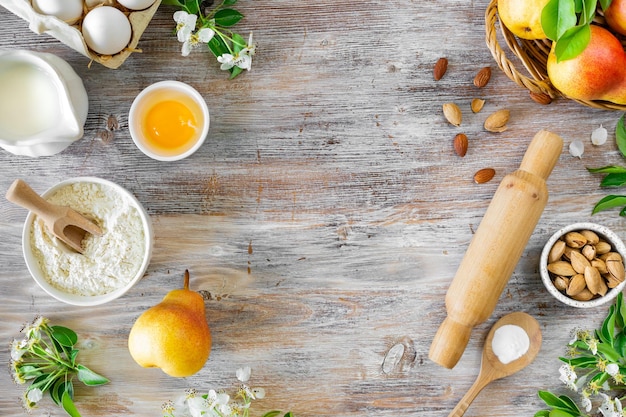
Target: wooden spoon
[65, 223]
[491, 368]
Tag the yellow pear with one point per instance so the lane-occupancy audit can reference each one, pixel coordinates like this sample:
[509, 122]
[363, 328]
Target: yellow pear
[173, 335]
[523, 17]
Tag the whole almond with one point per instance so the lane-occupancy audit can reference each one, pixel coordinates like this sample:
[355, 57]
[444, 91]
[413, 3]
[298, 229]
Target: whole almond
[591, 236]
[575, 240]
[541, 98]
[477, 104]
[594, 281]
[615, 265]
[556, 251]
[441, 66]
[562, 268]
[576, 284]
[460, 144]
[482, 78]
[584, 295]
[496, 122]
[453, 114]
[484, 175]
[579, 262]
[602, 247]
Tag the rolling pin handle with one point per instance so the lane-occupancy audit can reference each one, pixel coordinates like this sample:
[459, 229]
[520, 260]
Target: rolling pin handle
[542, 154]
[449, 343]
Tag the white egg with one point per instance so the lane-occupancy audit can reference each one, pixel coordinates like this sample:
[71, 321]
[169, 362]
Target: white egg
[106, 30]
[136, 4]
[67, 10]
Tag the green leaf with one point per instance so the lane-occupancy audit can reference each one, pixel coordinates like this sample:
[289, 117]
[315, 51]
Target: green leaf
[227, 17]
[89, 377]
[605, 4]
[63, 335]
[609, 169]
[620, 344]
[218, 46]
[620, 136]
[68, 405]
[272, 413]
[572, 42]
[609, 202]
[607, 331]
[555, 402]
[609, 352]
[562, 413]
[590, 7]
[613, 180]
[542, 413]
[557, 17]
[622, 309]
[582, 361]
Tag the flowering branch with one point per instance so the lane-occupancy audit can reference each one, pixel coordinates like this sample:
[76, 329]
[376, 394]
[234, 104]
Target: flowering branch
[595, 367]
[46, 357]
[218, 403]
[195, 26]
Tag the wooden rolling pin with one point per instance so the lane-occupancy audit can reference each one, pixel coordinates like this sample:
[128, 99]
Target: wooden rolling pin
[496, 248]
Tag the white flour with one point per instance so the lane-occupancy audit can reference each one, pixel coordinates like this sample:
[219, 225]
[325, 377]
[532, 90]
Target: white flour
[109, 261]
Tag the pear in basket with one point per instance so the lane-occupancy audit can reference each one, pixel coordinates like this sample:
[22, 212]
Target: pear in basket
[523, 17]
[597, 73]
[615, 16]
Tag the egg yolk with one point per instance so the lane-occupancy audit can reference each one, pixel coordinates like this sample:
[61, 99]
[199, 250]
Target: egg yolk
[170, 125]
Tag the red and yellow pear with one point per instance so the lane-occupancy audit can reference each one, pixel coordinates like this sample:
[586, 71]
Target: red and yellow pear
[615, 16]
[173, 335]
[522, 17]
[597, 73]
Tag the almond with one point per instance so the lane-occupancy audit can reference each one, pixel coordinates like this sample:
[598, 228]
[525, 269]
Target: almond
[576, 284]
[441, 66]
[496, 122]
[541, 98]
[482, 78]
[484, 175]
[561, 268]
[460, 144]
[453, 114]
[477, 104]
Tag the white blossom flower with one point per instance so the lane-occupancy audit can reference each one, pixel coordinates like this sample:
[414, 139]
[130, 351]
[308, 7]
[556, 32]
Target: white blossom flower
[568, 376]
[611, 407]
[593, 345]
[241, 59]
[185, 26]
[599, 136]
[18, 348]
[612, 369]
[576, 149]
[243, 374]
[586, 403]
[34, 395]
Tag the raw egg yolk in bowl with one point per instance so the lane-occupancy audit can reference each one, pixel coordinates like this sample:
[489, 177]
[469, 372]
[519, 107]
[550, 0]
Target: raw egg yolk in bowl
[169, 120]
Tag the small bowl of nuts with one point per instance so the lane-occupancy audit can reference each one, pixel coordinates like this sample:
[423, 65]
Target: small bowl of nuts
[582, 265]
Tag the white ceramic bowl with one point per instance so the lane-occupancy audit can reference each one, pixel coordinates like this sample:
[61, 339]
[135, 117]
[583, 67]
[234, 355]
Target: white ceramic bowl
[155, 95]
[604, 233]
[87, 300]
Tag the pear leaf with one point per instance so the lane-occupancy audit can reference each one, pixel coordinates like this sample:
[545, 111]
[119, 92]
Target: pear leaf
[66, 337]
[557, 17]
[608, 202]
[572, 42]
[68, 405]
[89, 377]
[609, 169]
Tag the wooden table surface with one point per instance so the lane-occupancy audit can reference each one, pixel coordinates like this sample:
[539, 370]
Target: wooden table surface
[324, 217]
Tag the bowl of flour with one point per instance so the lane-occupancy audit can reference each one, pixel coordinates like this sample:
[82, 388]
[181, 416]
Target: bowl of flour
[110, 264]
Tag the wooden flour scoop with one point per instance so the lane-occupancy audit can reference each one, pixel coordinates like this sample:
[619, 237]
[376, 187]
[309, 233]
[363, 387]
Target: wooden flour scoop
[496, 248]
[65, 223]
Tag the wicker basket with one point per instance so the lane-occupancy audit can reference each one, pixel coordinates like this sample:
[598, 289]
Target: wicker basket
[532, 55]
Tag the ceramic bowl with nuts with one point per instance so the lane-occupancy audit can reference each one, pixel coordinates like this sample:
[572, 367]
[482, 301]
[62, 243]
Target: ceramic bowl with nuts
[582, 265]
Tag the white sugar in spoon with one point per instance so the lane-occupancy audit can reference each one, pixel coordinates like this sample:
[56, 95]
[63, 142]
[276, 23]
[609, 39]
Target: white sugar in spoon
[491, 368]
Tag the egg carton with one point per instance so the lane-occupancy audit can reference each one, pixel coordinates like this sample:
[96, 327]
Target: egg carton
[71, 35]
